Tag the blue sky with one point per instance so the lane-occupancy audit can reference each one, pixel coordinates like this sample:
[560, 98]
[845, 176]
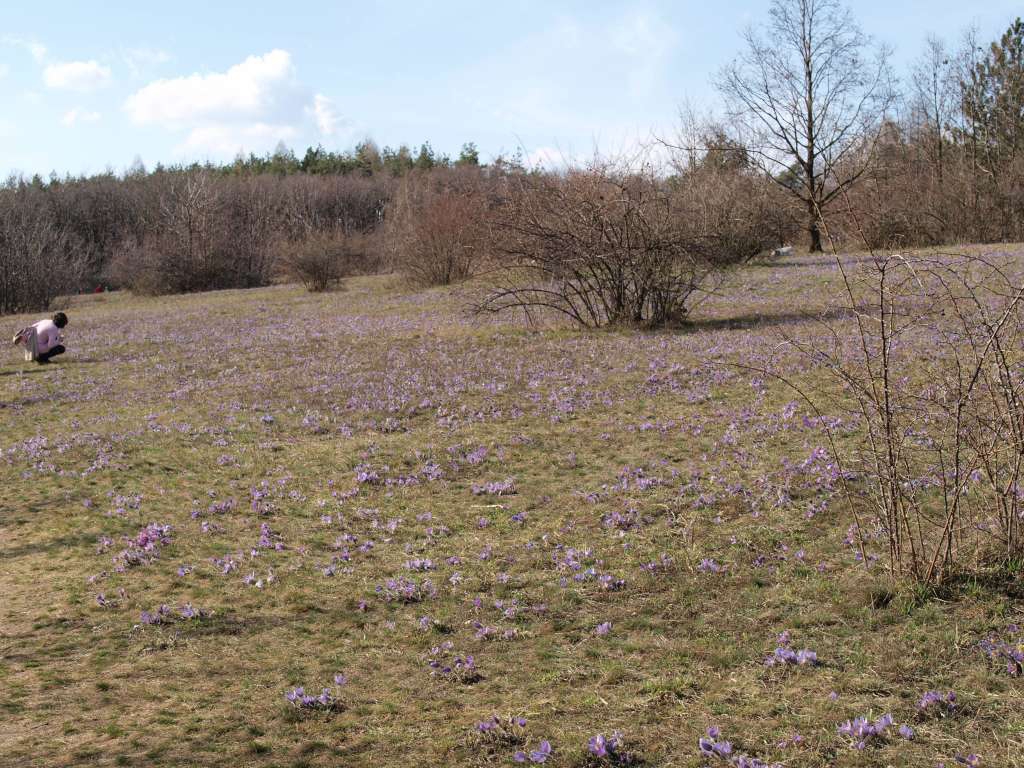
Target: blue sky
[87, 86]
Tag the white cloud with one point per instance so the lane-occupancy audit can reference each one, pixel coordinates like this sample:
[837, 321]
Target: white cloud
[250, 89]
[76, 75]
[250, 107]
[76, 115]
[323, 113]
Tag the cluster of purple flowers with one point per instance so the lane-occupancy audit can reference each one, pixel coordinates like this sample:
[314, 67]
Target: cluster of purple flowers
[419, 564]
[366, 475]
[935, 703]
[636, 478]
[861, 732]
[444, 662]
[538, 755]
[708, 565]
[225, 564]
[258, 496]
[661, 564]
[1009, 650]
[971, 761]
[143, 548]
[476, 456]
[268, 539]
[215, 508]
[252, 580]
[610, 583]
[327, 701]
[713, 746]
[122, 504]
[505, 487]
[610, 749]
[485, 632]
[506, 731]
[784, 655]
[402, 590]
[622, 521]
[164, 614]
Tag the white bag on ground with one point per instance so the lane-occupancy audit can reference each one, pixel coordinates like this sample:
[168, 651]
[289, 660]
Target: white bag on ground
[28, 338]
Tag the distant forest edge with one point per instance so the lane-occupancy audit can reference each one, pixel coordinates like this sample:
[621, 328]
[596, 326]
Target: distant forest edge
[818, 140]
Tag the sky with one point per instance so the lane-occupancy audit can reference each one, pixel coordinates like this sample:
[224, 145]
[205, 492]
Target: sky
[87, 87]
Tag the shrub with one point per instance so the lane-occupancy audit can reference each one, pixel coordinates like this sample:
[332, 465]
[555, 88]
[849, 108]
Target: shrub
[435, 227]
[322, 259]
[604, 245]
[736, 210]
[941, 454]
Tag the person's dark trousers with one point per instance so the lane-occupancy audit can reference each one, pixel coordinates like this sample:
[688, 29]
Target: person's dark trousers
[45, 357]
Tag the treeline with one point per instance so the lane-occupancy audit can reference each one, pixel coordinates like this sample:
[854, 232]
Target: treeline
[203, 227]
[941, 162]
[813, 104]
[951, 168]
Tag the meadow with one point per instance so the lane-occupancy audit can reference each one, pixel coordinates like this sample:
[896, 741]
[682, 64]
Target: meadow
[468, 541]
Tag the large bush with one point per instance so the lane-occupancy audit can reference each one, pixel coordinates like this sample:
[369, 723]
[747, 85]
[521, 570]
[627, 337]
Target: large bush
[321, 260]
[436, 226]
[606, 246]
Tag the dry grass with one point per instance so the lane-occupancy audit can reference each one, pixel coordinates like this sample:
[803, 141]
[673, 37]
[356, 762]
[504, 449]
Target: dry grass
[301, 390]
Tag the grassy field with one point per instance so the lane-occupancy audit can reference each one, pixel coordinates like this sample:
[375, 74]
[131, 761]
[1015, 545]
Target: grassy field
[616, 526]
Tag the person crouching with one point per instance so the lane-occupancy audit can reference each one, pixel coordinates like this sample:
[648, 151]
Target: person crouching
[42, 340]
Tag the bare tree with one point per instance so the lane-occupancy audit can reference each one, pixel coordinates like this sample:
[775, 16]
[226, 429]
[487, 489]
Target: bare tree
[804, 100]
[934, 100]
[38, 259]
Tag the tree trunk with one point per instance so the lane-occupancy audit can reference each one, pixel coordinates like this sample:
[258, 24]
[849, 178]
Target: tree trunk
[812, 227]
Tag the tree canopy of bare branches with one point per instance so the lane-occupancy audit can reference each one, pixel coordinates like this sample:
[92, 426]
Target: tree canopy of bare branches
[602, 246]
[39, 259]
[804, 99]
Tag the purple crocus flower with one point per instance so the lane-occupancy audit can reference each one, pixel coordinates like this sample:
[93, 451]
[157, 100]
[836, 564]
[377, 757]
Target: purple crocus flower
[712, 747]
[542, 753]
